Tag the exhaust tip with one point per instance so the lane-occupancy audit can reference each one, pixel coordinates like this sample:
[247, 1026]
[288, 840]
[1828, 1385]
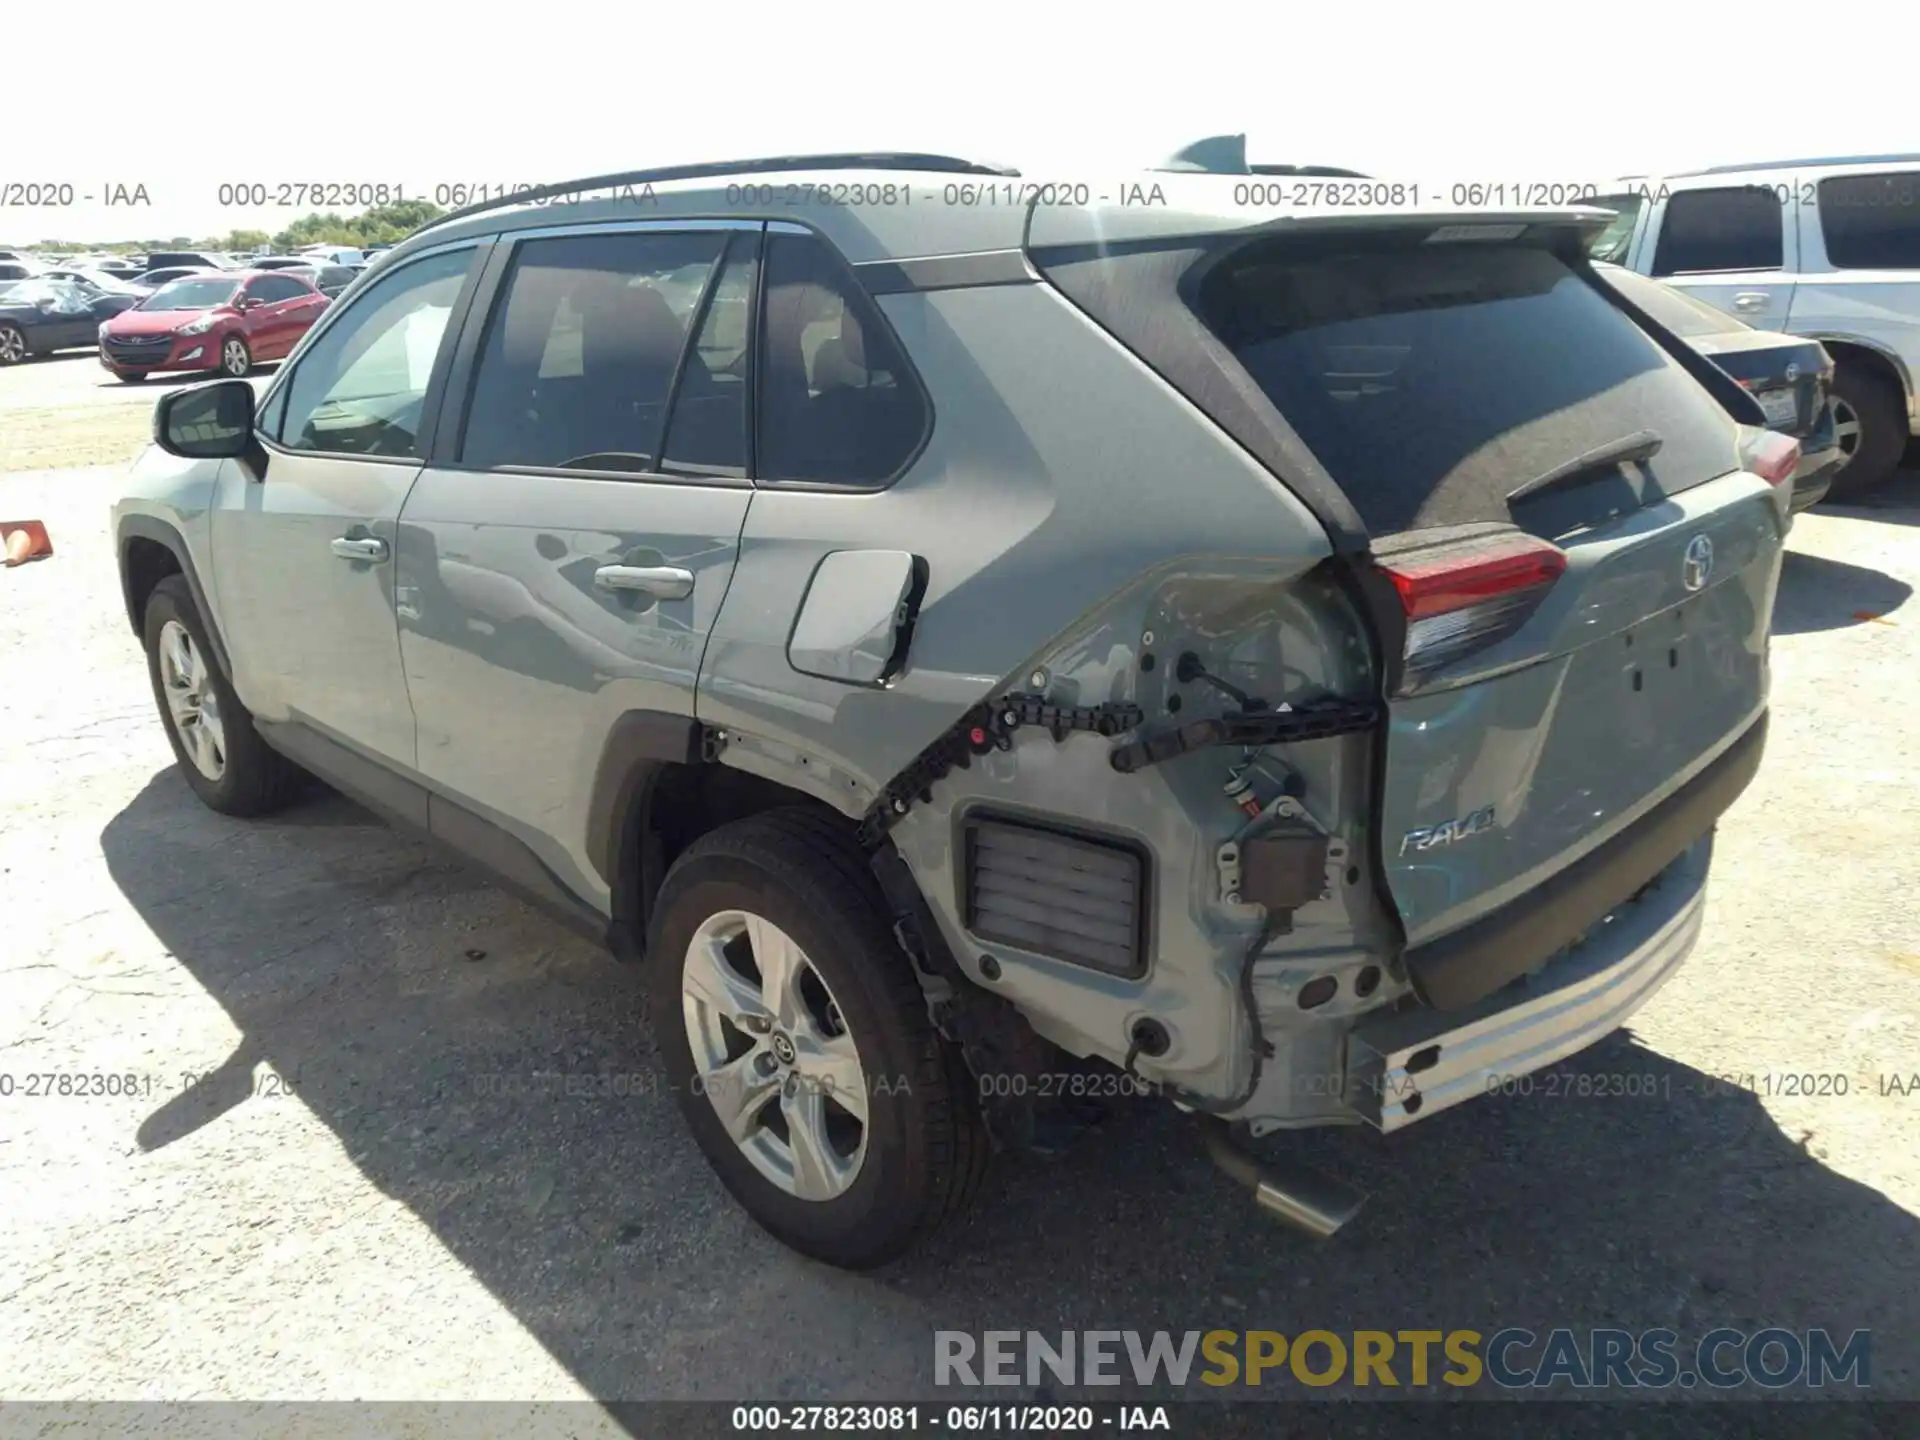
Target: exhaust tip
[1300, 1196]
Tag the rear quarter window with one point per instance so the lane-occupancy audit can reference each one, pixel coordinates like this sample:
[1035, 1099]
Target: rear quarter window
[1433, 380]
[1871, 222]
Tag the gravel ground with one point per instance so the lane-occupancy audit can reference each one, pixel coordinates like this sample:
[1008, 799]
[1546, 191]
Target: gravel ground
[335, 1178]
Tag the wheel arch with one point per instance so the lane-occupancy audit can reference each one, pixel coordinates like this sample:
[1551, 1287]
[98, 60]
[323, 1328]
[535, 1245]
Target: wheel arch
[659, 787]
[1873, 356]
[149, 549]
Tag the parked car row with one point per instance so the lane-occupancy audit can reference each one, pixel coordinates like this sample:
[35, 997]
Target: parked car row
[1827, 250]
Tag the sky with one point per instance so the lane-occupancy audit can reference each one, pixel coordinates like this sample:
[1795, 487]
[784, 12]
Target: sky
[429, 95]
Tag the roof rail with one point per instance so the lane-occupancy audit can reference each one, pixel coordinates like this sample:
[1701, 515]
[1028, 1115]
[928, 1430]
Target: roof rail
[1792, 164]
[849, 160]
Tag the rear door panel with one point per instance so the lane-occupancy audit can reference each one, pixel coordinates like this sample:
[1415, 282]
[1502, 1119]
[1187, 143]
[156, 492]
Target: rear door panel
[518, 663]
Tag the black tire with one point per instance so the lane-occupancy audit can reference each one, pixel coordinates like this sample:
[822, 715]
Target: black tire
[926, 1149]
[13, 345]
[246, 358]
[129, 379]
[1883, 430]
[256, 780]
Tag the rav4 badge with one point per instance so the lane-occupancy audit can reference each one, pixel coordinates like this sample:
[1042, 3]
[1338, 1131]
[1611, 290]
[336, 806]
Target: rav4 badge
[1461, 827]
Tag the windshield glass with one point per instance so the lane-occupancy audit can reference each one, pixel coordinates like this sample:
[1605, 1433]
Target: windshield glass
[28, 292]
[1613, 243]
[198, 294]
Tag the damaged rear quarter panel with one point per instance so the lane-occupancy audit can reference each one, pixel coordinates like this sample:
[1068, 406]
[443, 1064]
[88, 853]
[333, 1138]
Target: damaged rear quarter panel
[1067, 496]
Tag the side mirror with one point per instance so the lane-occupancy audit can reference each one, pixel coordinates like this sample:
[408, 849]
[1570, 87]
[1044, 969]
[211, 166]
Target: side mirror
[251, 302]
[206, 422]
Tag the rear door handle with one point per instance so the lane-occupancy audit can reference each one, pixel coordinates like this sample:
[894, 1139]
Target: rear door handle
[667, 582]
[1750, 300]
[360, 547]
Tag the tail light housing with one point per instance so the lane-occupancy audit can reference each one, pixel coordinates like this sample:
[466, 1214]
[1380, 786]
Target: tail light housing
[1462, 595]
[1773, 457]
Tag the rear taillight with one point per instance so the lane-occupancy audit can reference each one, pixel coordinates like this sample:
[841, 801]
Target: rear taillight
[1460, 596]
[1773, 457]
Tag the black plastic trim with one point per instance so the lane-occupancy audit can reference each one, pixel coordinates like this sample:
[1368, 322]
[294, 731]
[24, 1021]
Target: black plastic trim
[1471, 963]
[148, 527]
[947, 272]
[638, 745]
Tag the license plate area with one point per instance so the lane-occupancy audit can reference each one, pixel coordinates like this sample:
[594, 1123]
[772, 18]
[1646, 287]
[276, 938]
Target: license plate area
[1781, 407]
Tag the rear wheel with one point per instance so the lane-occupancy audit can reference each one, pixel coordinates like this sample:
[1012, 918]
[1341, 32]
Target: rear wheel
[223, 758]
[799, 1047]
[13, 345]
[235, 358]
[1870, 427]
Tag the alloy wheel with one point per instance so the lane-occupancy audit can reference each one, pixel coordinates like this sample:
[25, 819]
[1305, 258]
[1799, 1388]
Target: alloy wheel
[1846, 431]
[773, 1055]
[233, 358]
[13, 346]
[192, 703]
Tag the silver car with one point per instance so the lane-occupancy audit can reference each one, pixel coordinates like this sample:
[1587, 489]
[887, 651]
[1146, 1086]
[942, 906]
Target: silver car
[1824, 249]
[984, 653]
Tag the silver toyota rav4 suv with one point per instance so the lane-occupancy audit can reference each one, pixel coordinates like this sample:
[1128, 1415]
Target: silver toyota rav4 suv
[984, 653]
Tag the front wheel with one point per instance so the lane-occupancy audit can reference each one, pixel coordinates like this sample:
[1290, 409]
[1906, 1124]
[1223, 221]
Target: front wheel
[223, 758]
[13, 345]
[798, 1044]
[235, 358]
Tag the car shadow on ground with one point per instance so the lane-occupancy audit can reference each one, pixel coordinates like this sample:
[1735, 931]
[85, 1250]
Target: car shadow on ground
[1817, 593]
[459, 1047]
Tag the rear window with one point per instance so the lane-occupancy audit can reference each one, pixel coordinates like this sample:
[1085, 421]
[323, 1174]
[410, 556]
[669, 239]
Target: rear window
[1678, 311]
[1433, 380]
[1872, 222]
[1736, 228]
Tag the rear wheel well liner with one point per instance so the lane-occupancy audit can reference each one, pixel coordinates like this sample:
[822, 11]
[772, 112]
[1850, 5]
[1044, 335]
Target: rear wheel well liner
[658, 790]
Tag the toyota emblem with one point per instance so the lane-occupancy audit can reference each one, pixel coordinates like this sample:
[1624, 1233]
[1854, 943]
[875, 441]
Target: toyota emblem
[1697, 567]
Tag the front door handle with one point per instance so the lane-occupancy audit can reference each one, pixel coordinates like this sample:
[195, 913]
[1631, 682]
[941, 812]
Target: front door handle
[360, 547]
[1750, 300]
[667, 582]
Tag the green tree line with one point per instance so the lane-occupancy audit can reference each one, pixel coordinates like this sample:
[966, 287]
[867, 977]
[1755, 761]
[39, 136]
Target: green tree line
[381, 225]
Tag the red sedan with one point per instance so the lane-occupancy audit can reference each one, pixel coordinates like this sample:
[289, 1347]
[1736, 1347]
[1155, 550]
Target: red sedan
[222, 321]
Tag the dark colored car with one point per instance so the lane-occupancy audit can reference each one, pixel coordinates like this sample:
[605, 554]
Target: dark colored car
[39, 316]
[197, 259]
[1787, 374]
[224, 322]
[151, 280]
[18, 270]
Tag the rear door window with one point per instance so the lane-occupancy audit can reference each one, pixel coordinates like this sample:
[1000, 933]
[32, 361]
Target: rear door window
[839, 404]
[1871, 222]
[1740, 227]
[581, 353]
[1431, 381]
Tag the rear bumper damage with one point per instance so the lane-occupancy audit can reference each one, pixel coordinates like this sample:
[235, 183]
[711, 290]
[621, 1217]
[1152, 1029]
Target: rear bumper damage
[1406, 1065]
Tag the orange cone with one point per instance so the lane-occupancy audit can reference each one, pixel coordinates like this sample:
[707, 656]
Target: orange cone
[25, 540]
